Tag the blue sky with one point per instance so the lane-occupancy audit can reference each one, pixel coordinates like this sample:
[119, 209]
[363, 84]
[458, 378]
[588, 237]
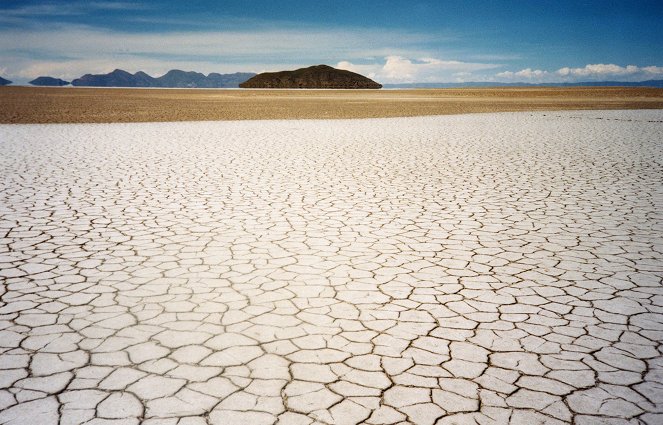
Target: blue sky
[390, 41]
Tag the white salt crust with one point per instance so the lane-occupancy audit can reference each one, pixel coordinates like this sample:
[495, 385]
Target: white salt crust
[487, 268]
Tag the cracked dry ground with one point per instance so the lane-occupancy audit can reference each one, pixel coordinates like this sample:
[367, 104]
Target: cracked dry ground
[498, 268]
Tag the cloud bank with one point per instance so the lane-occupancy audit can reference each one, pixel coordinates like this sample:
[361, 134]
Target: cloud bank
[590, 72]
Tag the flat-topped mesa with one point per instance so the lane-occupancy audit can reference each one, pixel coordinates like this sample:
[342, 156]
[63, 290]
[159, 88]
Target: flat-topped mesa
[314, 77]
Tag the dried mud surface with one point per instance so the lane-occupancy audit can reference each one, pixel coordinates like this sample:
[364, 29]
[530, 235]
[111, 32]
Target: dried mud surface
[467, 269]
[104, 105]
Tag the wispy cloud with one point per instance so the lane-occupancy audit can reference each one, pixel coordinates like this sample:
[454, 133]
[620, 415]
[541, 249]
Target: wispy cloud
[492, 57]
[30, 16]
[49, 9]
[118, 5]
[70, 8]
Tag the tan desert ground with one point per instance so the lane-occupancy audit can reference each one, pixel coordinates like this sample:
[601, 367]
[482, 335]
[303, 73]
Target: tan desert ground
[100, 105]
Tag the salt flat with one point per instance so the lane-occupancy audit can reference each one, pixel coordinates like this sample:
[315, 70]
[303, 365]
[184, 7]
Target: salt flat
[488, 268]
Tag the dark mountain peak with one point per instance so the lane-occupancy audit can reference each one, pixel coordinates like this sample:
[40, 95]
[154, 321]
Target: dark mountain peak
[117, 78]
[313, 77]
[48, 81]
[179, 78]
[119, 72]
[141, 79]
[4, 82]
[173, 72]
[178, 73]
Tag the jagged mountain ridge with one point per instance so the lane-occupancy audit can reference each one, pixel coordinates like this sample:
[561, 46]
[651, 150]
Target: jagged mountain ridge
[172, 79]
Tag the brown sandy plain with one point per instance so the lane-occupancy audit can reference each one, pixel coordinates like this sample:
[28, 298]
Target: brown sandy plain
[102, 105]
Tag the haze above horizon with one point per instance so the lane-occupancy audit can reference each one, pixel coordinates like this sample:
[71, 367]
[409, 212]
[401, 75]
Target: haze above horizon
[414, 41]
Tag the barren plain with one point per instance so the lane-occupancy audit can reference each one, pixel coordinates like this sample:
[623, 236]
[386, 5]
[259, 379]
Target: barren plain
[102, 105]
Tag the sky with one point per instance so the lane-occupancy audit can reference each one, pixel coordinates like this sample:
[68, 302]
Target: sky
[412, 41]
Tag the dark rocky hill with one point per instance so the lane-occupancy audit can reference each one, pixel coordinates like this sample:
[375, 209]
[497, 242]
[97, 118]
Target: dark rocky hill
[173, 78]
[48, 81]
[314, 77]
[4, 82]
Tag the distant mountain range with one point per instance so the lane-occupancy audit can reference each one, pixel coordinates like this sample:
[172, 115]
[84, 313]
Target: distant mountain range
[649, 83]
[183, 79]
[313, 77]
[172, 79]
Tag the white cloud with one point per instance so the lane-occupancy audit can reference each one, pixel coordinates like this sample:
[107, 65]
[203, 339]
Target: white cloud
[590, 72]
[527, 73]
[654, 70]
[399, 69]
[367, 70]
[599, 69]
